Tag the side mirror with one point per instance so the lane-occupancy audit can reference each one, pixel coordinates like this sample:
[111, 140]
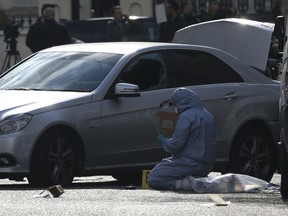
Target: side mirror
[127, 90]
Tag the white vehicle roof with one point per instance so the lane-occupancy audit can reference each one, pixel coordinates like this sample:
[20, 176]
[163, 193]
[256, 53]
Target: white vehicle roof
[110, 18]
[109, 47]
[247, 40]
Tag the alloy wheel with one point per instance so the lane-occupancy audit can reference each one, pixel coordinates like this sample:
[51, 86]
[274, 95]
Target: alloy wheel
[255, 157]
[61, 160]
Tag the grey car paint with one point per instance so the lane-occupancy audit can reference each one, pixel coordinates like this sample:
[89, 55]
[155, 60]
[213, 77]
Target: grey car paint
[111, 127]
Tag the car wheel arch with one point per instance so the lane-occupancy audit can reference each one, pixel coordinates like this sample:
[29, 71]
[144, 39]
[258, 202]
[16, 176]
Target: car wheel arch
[257, 123]
[250, 159]
[80, 149]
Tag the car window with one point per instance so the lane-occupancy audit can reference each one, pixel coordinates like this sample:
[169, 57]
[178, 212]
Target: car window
[187, 68]
[60, 71]
[147, 71]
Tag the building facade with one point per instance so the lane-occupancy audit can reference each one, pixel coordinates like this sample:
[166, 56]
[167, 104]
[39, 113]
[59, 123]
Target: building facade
[23, 11]
[28, 10]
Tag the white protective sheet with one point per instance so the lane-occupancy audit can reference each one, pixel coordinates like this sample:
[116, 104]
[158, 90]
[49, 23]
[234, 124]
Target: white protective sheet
[228, 183]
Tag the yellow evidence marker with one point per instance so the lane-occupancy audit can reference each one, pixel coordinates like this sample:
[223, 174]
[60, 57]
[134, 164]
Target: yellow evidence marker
[145, 175]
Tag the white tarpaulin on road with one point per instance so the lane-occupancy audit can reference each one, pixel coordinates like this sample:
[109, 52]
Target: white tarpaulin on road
[228, 183]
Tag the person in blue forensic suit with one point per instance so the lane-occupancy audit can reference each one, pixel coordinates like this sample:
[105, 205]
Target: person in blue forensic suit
[192, 145]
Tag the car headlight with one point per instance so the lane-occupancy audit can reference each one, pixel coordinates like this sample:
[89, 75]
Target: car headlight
[14, 123]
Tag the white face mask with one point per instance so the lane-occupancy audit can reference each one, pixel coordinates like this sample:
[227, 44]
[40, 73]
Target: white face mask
[176, 109]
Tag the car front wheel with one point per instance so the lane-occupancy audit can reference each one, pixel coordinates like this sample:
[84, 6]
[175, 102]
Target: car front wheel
[252, 154]
[53, 160]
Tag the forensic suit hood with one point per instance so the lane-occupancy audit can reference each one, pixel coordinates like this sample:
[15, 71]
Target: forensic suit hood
[184, 99]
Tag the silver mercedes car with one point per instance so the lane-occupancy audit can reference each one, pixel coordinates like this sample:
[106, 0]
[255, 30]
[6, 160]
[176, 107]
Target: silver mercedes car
[89, 109]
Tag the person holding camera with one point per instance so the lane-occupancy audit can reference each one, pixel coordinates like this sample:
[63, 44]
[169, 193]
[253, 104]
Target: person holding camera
[119, 28]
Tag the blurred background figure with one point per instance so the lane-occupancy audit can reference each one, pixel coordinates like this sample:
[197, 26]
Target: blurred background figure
[173, 24]
[217, 12]
[47, 33]
[189, 15]
[119, 28]
[33, 28]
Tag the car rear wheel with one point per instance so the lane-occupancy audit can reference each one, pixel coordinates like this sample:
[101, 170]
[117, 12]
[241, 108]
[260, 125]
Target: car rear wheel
[252, 154]
[53, 160]
[284, 171]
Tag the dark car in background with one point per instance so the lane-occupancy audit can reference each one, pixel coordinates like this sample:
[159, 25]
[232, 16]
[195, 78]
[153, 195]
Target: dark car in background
[95, 30]
[283, 26]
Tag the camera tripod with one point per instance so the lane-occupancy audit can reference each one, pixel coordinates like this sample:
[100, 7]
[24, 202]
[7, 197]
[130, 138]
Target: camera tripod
[10, 54]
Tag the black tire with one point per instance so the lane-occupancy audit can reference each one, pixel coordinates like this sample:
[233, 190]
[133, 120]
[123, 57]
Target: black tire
[253, 154]
[284, 172]
[53, 160]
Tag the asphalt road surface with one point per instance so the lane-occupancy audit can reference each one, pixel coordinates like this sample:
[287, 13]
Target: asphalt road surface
[102, 195]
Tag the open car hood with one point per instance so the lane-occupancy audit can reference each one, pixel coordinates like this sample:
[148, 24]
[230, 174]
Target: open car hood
[247, 40]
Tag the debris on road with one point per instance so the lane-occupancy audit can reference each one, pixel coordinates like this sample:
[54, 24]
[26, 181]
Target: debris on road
[218, 200]
[43, 194]
[130, 187]
[55, 191]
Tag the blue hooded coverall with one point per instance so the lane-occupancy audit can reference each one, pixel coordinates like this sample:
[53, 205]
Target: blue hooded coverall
[192, 145]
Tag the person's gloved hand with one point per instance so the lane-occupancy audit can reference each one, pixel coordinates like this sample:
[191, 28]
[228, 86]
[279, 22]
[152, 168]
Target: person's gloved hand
[160, 137]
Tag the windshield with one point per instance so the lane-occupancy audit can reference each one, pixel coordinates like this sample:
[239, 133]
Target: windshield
[60, 71]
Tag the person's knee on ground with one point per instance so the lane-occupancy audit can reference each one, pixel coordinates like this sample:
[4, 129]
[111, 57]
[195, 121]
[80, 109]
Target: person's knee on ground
[157, 185]
[156, 180]
[152, 182]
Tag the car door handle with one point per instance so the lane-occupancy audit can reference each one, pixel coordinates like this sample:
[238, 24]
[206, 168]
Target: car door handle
[230, 96]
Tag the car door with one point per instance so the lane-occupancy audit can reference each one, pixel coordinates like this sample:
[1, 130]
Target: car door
[221, 89]
[129, 124]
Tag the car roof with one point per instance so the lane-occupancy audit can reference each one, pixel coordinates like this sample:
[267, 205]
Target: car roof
[117, 47]
[110, 18]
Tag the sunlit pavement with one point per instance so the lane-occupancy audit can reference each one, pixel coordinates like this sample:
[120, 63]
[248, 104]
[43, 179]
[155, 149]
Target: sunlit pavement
[102, 195]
